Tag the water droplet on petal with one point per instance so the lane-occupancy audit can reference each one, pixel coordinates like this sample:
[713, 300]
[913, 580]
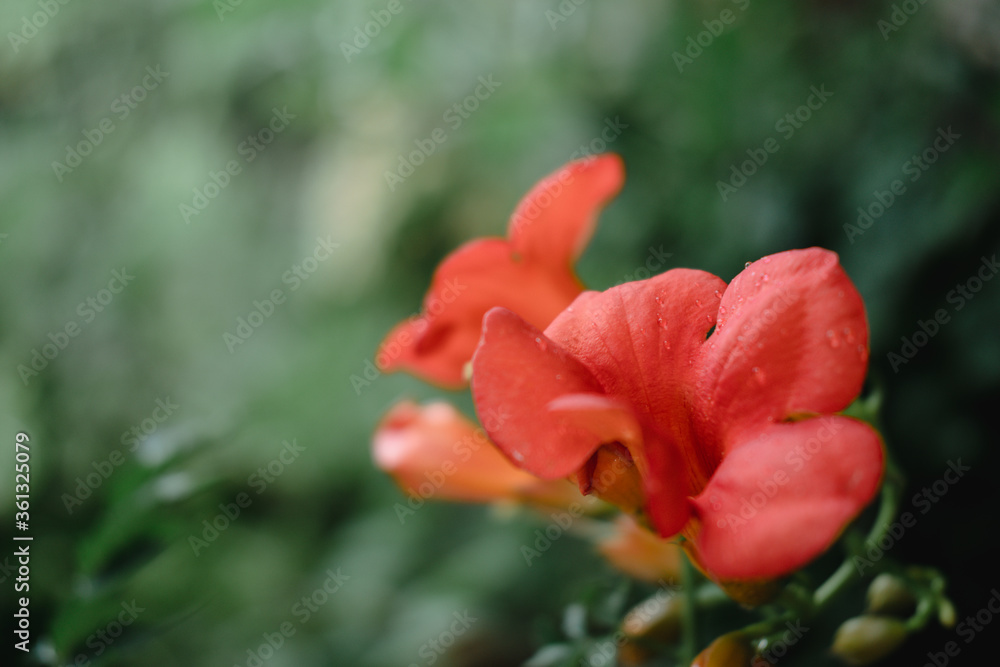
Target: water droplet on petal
[718, 294]
[832, 338]
[666, 344]
[849, 335]
[766, 260]
[542, 345]
[517, 455]
[747, 265]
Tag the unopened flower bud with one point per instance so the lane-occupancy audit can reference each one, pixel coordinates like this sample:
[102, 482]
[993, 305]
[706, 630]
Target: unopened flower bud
[946, 613]
[630, 654]
[658, 618]
[730, 650]
[865, 639]
[888, 595]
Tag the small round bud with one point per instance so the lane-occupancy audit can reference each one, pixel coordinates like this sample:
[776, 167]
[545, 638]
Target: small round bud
[888, 595]
[657, 618]
[946, 613]
[865, 639]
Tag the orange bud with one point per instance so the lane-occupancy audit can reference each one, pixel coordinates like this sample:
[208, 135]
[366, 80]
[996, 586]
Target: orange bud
[433, 451]
[729, 650]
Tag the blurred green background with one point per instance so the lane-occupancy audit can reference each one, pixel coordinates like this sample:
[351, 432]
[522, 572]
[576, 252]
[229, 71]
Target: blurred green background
[350, 106]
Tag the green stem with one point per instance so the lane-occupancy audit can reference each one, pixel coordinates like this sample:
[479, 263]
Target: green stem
[925, 610]
[846, 574]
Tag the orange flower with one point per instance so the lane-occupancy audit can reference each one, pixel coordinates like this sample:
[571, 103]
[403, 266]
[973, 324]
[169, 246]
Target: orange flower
[530, 272]
[639, 553]
[433, 451]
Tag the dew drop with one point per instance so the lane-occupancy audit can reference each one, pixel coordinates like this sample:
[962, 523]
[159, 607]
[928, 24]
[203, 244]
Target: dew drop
[718, 294]
[541, 344]
[517, 455]
[848, 335]
[832, 338]
[666, 344]
[863, 353]
[764, 277]
[759, 375]
[662, 322]
[766, 260]
[722, 311]
[697, 302]
[747, 265]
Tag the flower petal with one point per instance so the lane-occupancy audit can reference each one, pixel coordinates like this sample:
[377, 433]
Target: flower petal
[478, 276]
[640, 340]
[434, 451]
[780, 500]
[658, 459]
[517, 372]
[791, 338]
[640, 553]
[554, 222]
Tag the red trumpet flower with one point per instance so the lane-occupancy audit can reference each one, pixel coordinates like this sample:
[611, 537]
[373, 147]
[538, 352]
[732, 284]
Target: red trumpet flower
[714, 404]
[530, 272]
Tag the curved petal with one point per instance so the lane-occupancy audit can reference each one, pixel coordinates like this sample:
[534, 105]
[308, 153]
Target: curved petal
[434, 451]
[658, 460]
[617, 470]
[639, 340]
[478, 276]
[554, 222]
[791, 338]
[516, 373]
[780, 500]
